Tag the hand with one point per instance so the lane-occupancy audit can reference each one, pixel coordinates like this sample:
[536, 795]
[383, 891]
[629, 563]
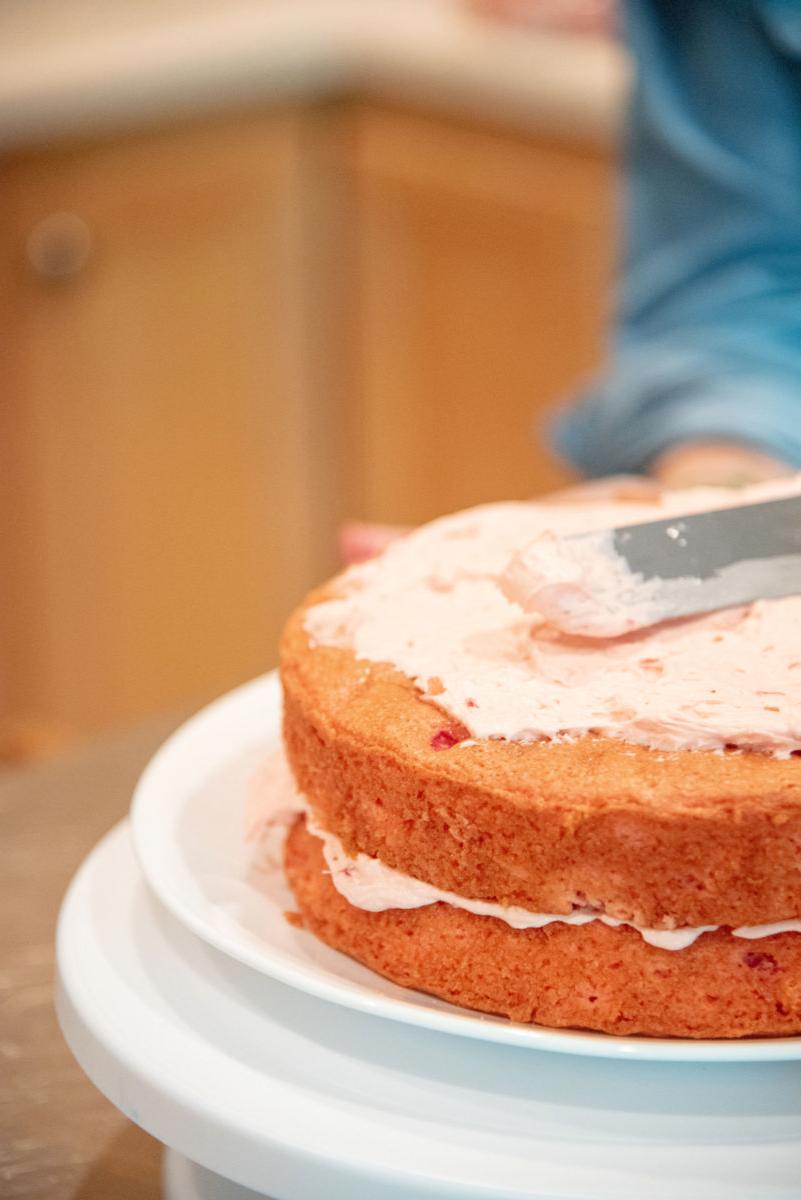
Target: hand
[360, 540]
[694, 464]
[715, 464]
[612, 489]
[580, 16]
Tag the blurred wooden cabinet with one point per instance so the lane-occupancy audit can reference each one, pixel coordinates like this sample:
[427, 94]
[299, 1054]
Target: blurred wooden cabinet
[217, 340]
[481, 264]
[160, 490]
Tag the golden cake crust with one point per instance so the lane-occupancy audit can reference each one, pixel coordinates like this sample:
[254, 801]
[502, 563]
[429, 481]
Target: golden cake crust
[659, 838]
[588, 977]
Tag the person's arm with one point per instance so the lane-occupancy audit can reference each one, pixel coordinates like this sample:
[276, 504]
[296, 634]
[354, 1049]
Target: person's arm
[705, 377]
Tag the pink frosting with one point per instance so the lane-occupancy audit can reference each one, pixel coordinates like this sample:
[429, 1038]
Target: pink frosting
[583, 590]
[442, 606]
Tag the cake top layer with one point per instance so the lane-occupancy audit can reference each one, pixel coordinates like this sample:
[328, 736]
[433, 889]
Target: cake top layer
[442, 606]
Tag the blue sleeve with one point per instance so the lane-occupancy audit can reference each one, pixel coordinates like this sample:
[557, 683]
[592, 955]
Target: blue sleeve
[708, 335]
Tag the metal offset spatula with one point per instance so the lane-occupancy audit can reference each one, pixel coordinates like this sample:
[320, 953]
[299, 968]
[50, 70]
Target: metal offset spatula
[694, 564]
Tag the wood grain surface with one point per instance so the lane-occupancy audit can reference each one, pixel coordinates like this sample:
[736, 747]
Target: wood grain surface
[59, 1137]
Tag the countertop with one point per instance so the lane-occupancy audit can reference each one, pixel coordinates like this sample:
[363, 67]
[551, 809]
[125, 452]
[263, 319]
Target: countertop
[59, 1138]
[79, 67]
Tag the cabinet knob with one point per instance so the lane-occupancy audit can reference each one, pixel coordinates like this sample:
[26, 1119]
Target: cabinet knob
[59, 247]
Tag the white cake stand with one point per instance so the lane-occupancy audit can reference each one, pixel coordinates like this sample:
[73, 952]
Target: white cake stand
[258, 1086]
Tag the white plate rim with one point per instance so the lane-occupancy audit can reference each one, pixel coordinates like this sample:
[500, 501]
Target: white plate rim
[153, 791]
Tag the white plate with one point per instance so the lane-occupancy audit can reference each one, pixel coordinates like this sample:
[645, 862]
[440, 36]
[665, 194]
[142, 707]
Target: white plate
[188, 820]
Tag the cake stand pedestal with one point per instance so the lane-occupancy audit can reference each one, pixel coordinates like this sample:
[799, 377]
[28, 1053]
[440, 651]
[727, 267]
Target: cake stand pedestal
[185, 1180]
[275, 1093]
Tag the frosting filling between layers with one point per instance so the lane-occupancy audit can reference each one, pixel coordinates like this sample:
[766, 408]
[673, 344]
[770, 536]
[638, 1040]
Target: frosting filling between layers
[442, 606]
[372, 886]
[369, 884]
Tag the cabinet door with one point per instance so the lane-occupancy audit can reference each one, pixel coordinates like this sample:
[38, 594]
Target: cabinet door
[157, 457]
[481, 264]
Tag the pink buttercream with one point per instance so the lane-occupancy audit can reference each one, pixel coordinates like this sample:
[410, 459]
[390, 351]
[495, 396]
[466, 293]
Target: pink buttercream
[443, 603]
[584, 590]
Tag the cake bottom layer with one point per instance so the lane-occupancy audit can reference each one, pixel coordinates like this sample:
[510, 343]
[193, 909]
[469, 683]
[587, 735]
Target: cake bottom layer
[585, 977]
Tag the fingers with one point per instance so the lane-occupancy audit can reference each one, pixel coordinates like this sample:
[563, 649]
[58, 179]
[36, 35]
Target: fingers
[360, 540]
[632, 489]
[582, 16]
[697, 464]
[715, 464]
